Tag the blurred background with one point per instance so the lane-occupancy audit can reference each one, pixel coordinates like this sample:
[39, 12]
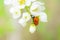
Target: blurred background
[45, 31]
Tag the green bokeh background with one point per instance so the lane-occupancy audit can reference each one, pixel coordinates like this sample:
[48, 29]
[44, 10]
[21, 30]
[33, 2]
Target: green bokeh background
[6, 25]
[49, 30]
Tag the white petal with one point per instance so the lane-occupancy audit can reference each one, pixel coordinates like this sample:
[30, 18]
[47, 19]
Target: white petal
[43, 17]
[22, 22]
[15, 12]
[11, 10]
[32, 28]
[16, 16]
[7, 2]
[34, 7]
[37, 7]
[42, 8]
[22, 6]
[15, 3]
[28, 3]
[38, 3]
[26, 16]
[17, 6]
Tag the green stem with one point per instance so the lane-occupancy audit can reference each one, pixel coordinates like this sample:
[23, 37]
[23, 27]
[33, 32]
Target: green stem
[28, 10]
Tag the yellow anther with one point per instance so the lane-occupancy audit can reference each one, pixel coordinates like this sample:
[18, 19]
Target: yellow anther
[22, 2]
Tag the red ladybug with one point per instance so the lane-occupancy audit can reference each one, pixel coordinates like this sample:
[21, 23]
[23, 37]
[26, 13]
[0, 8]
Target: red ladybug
[36, 20]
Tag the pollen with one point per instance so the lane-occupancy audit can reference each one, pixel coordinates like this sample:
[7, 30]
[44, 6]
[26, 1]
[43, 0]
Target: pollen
[22, 2]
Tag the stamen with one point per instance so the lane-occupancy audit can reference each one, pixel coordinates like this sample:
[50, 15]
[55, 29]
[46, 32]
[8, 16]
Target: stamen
[16, 12]
[35, 10]
[25, 17]
[22, 2]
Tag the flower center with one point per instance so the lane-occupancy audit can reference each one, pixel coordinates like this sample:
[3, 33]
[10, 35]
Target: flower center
[35, 10]
[25, 17]
[16, 12]
[22, 2]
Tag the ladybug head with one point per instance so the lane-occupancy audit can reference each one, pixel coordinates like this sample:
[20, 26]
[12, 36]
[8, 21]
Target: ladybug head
[32, 16]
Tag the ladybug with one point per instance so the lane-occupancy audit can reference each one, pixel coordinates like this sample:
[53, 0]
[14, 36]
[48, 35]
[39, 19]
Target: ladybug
[35, 20]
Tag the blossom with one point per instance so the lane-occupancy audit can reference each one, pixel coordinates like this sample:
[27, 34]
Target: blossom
[24, 3]
[22, 22]
[43, 17]
[16, 13]
[25, 18]
[24, 10]
[21, 3]
[14, 9]
[37, 9]
[15, 3]
[32, 28]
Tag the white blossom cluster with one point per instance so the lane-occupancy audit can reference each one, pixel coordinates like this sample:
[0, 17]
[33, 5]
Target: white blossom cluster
[26, 8]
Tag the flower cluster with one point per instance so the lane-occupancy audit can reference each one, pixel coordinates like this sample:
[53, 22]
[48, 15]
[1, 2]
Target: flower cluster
[25, 10]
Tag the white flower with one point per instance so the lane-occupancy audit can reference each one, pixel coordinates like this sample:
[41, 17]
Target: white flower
[25, 18]
[24, 3]
[32, 28]
[36, 8]
[43, 17]
[15, 12]
[22, 22]
[15, 3]
[19, 3]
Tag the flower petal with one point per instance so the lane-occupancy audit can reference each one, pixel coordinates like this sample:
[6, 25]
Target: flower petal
[22, 22]
[38, 3]
[16, 16]
[15, 12]
[28, 3]
[15, 3]
[32, 28]
[43, 17]
[22, 6]
[36, 8]
[7, 2]
[26, 16]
